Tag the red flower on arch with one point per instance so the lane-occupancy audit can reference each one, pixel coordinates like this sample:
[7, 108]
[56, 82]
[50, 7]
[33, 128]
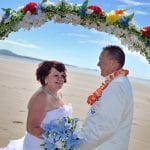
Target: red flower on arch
[146, 31]
[96, 9]
[30, 7]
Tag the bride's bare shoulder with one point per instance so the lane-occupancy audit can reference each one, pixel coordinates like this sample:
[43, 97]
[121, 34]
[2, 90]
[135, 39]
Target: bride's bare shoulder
[38, 98]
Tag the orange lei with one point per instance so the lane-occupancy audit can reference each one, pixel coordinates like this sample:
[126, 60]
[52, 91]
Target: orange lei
[93, 97]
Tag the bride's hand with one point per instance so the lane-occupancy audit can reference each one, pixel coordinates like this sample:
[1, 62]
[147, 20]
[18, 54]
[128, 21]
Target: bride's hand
[40, 137]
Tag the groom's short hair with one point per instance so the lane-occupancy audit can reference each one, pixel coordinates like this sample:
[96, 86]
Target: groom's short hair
[116, 53]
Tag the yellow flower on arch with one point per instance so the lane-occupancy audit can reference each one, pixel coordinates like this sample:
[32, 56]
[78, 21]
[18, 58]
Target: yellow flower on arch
[112, 17]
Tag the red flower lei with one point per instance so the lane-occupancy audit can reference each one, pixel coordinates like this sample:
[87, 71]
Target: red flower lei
[93, 97]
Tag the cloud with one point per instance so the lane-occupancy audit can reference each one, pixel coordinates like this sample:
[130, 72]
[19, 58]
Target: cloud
[141, 58]
[90, 42]
[20, 43]
[103, 41]
[134, 3]
[141, 12]
[75, 35]
[112, 40]
[123, 6]
[93, 31]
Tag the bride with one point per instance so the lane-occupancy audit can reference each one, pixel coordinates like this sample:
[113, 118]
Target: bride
[45, 105]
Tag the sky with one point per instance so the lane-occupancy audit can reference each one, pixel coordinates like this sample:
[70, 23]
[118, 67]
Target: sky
[76, 45]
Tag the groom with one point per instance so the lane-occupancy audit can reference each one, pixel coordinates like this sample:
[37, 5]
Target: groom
[108, 123]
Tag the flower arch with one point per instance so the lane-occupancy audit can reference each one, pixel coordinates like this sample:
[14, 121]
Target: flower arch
[117, 22]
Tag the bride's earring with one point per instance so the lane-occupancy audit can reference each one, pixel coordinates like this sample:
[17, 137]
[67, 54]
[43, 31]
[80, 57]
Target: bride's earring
[46, 82]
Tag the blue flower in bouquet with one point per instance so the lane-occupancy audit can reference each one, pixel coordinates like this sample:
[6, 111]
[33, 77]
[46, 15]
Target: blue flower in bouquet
[72, 142]
[62, 134]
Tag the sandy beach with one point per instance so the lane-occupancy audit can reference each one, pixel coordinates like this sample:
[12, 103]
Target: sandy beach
[18, 83]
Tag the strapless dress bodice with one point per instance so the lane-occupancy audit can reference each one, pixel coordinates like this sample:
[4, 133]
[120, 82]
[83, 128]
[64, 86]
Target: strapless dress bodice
[30, 142]
[58, 113]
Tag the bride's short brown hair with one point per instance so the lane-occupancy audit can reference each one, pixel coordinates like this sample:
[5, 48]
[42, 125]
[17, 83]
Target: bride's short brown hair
[44, 69]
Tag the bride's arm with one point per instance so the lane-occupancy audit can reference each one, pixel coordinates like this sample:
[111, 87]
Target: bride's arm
[36, 113]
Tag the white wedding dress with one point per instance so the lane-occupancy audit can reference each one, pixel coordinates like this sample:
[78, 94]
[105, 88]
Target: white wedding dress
[30, 142]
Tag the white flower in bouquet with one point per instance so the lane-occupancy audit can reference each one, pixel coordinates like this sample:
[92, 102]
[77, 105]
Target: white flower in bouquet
[59, 144]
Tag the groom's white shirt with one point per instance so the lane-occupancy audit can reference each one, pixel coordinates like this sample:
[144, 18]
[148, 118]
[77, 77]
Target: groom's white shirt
[108, 123]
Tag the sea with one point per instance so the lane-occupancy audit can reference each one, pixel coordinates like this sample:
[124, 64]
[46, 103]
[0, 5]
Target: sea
[37, 61]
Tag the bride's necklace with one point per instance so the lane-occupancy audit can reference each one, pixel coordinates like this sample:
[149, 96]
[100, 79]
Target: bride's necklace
[50, 93]
[94, 96]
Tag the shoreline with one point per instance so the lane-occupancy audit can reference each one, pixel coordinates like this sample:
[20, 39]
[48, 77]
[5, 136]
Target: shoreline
[70, 67]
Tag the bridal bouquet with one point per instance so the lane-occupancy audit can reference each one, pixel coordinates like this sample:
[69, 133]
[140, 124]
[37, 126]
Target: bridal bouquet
[62, 134]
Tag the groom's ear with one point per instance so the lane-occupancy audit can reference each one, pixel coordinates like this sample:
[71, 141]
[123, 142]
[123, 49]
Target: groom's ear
[114, 64]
